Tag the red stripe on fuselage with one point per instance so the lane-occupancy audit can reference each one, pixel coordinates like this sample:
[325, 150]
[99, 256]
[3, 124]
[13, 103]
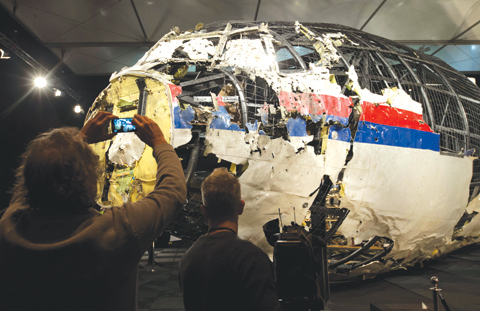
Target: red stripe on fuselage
[175, 90]
[387, 115]
[307, 103]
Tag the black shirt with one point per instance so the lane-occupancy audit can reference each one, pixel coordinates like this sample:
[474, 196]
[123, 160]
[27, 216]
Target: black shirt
[223, 272]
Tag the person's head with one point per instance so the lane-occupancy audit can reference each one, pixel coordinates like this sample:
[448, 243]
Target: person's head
[222, 197]
[59, 172]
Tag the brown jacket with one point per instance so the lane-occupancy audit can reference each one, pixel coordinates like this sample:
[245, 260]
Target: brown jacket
[85, 261]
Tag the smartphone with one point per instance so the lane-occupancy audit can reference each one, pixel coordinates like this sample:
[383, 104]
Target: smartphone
[123, 125]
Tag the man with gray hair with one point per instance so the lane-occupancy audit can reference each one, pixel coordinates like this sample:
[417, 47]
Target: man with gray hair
[221, 271]
[57, 252]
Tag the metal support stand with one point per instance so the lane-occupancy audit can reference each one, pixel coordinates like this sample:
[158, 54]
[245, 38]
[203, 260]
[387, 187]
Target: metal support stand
[151, 258]
[436, 294]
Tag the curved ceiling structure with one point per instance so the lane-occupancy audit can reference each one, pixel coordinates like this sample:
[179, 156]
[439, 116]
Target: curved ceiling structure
[100, 37]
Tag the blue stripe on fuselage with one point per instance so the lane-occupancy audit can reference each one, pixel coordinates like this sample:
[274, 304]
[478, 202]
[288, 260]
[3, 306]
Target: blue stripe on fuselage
[379, 134]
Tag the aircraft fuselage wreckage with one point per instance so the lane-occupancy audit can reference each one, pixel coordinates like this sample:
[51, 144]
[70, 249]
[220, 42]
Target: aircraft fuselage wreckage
[368, 142]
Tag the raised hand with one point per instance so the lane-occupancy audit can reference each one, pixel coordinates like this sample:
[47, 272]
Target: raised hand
[148, 131]
[95, 130]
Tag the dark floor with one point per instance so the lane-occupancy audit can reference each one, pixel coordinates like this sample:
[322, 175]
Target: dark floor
[159, 289]
[459, 275]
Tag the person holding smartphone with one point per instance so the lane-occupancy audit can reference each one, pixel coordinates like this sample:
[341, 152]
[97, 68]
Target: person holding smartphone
[57, 252]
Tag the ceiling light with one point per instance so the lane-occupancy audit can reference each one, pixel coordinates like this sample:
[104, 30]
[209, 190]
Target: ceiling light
[40, 82]
[78, 108]
[58, 93]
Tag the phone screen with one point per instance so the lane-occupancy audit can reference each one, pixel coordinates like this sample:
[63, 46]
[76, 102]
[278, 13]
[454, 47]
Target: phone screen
[123, 125]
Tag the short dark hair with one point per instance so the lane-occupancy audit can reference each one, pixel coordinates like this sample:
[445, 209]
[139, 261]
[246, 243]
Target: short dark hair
[59, 170]
[221, 195]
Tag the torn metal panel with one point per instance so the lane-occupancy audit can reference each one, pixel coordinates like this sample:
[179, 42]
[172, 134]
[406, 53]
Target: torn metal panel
[248, 54]
[227, 145]
[421, 209]
[221, 120]
[474, 205]
[324, 45]
[297, 127]
[277, 178]
[335, 155]
[163, 52]
[126, 149]
[300, 141]
[182, 118]
[472, 228]
[199, 49]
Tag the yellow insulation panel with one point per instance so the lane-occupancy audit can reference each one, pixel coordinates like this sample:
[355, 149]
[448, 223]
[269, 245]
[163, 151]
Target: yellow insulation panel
[144, 170]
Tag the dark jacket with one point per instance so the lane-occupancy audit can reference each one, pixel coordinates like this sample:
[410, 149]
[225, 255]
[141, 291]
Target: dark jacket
[85, 261]
[223, 272]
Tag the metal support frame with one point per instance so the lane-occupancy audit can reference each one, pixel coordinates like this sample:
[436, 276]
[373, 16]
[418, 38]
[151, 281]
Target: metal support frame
[192, 162]
[337, 224]
[373, 14]
[378, 68]
[258, 8]
[135, 44]
[460, 106]
[390, 69]
[373, 258]
[139, 20]
[13, 47]
[243, 104]
[452, 130]
[355, 60]
[201, 80]
[346, 64]
[356, 253]
[366, 69]
[431, 116]
[445, 112]
[142, 97]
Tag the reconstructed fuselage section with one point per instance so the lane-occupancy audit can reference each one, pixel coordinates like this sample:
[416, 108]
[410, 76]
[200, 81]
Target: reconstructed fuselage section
[365, 142]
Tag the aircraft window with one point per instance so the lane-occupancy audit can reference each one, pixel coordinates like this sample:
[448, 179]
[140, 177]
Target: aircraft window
[285, 59]
[283, 55]
[301, 50]
[308, 55]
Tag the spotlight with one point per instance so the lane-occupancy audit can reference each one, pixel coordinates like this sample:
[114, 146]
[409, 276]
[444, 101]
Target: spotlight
[78, 108]
[4, 54]
[40, 82]
[58, 93]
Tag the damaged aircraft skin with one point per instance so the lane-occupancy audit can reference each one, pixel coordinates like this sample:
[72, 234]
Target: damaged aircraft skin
[365, 142]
